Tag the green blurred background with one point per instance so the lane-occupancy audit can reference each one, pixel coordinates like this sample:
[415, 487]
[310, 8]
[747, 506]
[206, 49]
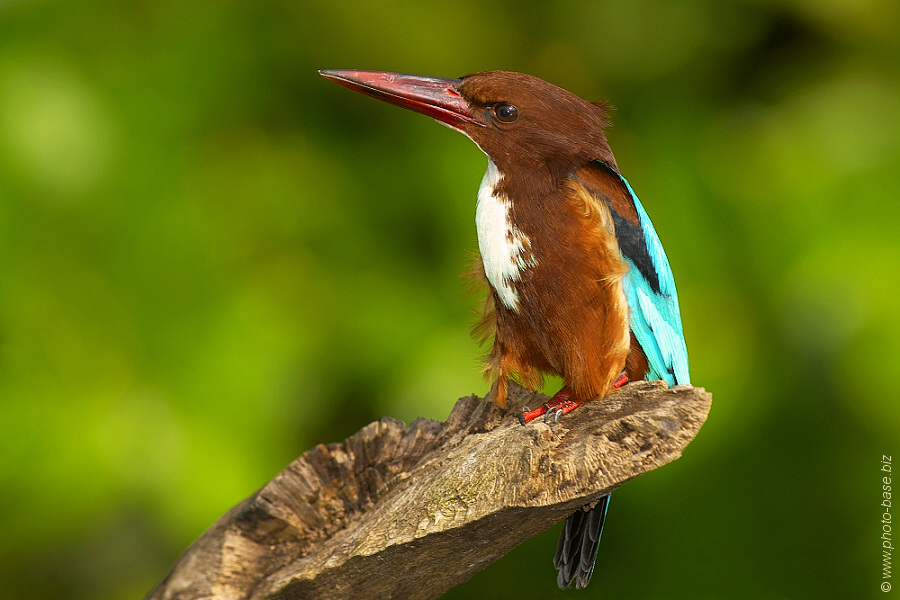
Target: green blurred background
[211, 259]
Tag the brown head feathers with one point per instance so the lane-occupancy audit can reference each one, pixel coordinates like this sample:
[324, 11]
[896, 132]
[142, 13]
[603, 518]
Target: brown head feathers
[553, 128]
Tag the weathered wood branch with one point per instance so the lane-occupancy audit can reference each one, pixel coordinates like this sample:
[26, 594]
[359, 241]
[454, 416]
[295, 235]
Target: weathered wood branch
[409, 512]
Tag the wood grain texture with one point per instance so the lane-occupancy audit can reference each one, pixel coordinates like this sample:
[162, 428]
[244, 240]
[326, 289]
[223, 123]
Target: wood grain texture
[409, 512]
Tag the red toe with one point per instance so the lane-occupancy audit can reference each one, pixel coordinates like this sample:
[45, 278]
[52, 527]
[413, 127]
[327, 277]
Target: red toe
[558, 406]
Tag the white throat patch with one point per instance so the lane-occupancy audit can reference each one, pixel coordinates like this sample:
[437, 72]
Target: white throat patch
[505, 251]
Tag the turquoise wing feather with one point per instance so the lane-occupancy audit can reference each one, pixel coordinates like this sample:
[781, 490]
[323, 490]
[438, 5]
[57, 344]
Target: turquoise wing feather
[654, 315]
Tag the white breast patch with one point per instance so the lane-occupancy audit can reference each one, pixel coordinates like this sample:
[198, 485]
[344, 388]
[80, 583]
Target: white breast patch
[505, 250]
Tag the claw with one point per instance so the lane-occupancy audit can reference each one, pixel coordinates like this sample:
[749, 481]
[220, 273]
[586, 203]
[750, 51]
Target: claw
[552, 410]
[562, 407]
[530, 415]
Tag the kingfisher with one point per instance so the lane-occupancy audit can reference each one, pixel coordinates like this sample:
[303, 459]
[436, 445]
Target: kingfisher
[579, 284]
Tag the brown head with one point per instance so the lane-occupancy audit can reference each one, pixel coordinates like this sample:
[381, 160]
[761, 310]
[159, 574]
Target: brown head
[529, 122]
[519, 121]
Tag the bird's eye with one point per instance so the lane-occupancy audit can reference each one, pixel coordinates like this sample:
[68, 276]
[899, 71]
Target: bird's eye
[506, 113]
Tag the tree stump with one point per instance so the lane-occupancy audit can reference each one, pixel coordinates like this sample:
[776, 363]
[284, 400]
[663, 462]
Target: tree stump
[409, 512]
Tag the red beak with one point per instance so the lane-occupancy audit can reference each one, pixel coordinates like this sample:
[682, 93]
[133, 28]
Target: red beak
[433, 96]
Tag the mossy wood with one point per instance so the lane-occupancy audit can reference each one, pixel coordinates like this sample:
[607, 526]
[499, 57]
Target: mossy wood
[409, 512]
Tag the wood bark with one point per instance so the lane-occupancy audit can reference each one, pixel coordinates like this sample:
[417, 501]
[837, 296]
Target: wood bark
[409, 512]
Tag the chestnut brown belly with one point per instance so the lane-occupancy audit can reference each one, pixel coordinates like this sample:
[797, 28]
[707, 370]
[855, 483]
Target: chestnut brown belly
[570, 317]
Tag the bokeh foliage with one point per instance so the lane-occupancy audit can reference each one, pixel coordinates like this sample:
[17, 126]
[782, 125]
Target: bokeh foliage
[212, 259]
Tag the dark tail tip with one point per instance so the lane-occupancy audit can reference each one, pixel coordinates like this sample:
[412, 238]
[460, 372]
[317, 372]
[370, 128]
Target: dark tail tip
[576, 550]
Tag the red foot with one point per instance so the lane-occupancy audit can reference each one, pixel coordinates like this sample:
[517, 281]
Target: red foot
[558, 406]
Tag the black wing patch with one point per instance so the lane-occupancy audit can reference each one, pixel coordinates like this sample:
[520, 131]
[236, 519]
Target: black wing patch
[634, 247]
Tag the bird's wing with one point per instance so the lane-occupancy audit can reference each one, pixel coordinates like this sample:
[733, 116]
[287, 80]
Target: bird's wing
[655, 318]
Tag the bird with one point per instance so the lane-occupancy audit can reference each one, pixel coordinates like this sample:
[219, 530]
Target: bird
[579, 284]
